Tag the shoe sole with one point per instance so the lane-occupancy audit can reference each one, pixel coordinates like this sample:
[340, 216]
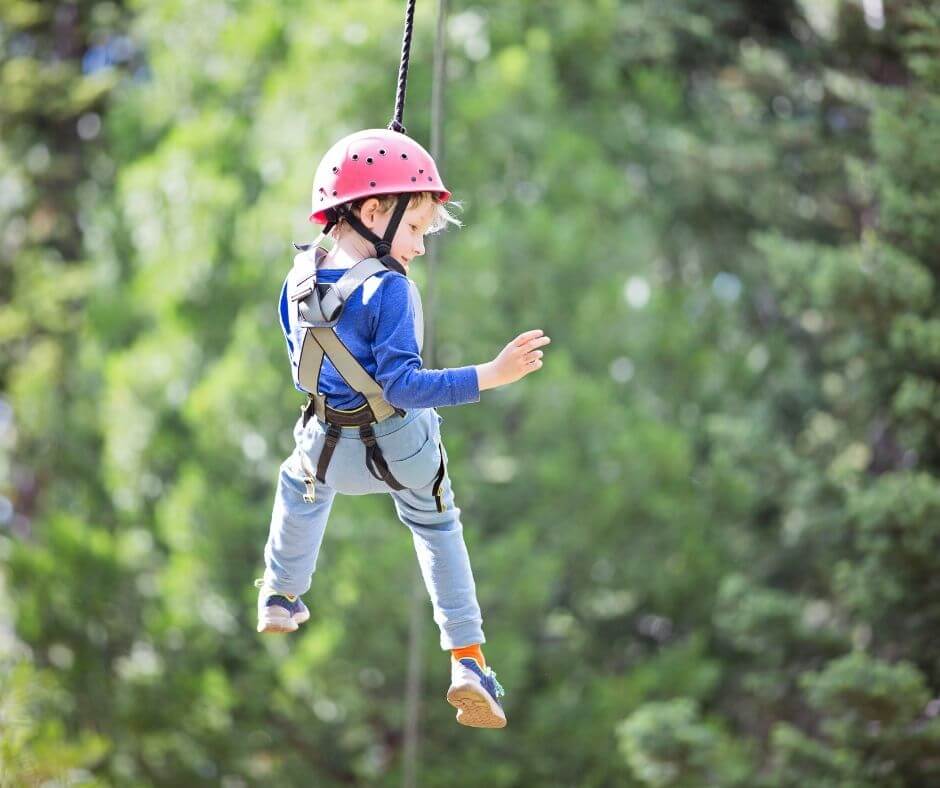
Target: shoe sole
[276, 627]
[279, 626]
[473, 709]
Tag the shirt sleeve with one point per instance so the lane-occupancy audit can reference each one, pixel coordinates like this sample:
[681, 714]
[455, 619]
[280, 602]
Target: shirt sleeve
[399, 366]
[284, 315]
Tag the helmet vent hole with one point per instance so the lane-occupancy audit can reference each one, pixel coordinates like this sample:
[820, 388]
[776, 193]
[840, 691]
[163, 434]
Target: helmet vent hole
[334, 193]
[430, 178]
[413, 179]
[382, 152]
[369, 160]
[404, 155]
[372, 184]
[420, 172]
[335, 170]
[355, 157]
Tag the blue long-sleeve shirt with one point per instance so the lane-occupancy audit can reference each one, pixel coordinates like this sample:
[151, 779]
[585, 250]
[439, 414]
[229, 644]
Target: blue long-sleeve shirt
[378, 327]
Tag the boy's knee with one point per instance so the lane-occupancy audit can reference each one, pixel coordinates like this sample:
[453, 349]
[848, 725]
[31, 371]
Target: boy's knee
[427, 516]
[448, 525]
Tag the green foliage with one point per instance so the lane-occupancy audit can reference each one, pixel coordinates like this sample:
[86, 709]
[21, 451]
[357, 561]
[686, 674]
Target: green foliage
[874, 715]
[668, 744]
[801, 760]
[856, 690]
[704, 536]
[35, 748]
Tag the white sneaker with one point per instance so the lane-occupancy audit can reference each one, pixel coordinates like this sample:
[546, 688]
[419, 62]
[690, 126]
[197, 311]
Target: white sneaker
[279, 612]
[475, 693]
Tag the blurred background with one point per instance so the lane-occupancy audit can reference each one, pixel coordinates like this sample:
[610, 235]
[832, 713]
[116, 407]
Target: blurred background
[706, 536]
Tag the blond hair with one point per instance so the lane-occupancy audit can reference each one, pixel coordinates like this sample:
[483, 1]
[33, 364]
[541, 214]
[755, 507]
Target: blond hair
[439, 221]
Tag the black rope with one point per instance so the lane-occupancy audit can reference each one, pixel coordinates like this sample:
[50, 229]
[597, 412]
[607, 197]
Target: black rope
[414, 678]
[396, 122]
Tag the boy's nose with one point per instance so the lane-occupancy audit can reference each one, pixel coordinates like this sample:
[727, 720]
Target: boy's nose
[419, 247]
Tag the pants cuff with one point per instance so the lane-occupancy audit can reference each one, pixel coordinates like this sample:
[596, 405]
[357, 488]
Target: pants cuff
[294, 589]
[465, 633]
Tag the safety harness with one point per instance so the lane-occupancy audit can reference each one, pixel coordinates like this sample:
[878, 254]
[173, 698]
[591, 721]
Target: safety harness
[319, 306]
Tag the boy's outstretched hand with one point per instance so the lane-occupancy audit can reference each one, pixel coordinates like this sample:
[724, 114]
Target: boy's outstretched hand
[517, 359]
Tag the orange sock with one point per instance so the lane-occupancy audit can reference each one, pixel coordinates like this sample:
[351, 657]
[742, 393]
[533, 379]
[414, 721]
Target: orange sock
[473, 651]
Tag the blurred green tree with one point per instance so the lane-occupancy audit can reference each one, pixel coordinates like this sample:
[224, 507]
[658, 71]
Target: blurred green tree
[704, 536]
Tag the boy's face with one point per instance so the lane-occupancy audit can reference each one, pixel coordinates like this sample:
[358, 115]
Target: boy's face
[408, 242]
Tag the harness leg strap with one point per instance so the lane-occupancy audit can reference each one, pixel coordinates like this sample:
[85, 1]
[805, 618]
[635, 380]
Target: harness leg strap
[332, 439]
[375, 460]
[437, 490]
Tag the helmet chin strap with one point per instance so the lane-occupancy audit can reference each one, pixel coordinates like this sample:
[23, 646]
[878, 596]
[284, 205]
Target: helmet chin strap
[383, 245]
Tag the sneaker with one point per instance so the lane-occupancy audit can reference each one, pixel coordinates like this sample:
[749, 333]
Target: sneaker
[475, 693]
[279, 612]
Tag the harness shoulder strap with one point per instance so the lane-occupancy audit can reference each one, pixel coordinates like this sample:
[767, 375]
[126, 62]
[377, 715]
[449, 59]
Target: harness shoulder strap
[321, 338]
[336, 295]
[352, 371]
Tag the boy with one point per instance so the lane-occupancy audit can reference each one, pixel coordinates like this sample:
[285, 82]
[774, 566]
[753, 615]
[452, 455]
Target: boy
[352, 321]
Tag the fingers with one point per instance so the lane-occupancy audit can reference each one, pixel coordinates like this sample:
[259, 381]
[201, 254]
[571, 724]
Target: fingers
[536, 342]
[520, 340]
[522, 356]
[537, 364]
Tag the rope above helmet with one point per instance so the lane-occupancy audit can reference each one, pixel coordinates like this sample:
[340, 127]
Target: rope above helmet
[376, 162]
[395, 124]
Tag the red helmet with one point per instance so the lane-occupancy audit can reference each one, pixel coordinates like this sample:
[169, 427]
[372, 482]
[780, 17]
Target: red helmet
[370, 162]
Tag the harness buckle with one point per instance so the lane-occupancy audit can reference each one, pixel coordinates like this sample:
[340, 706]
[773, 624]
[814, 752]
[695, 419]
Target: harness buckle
[301, 294]
[310, 494]
[304, 287]
[310, 488]
[332, 436]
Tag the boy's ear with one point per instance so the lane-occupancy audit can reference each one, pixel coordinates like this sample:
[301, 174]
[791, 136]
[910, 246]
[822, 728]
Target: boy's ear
[368, 211]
